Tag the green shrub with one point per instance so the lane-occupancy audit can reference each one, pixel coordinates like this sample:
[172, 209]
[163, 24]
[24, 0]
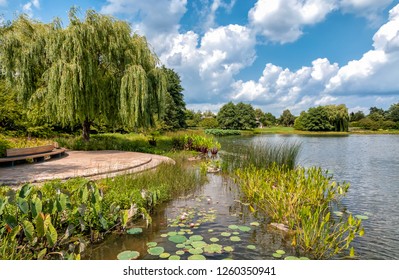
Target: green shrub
[4, 145]
[222, 132]
[302, 199]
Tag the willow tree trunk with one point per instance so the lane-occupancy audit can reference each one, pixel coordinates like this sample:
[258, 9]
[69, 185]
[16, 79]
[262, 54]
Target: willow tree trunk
[86, 130]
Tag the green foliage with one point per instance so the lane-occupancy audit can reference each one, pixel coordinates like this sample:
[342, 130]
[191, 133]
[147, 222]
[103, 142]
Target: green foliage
[174, 116]
[222, 132]
[302, 199]
[286, 118]
[208, 123]
[393, 113]
[240, 117]
[4, 145]
[324, 118]
[85, 72]
[57, 219]
[193, 118]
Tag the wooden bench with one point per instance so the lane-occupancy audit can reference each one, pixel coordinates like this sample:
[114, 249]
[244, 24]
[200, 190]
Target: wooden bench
[37, 154]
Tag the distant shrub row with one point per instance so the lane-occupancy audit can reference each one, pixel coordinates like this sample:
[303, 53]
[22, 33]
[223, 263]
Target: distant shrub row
[222, 132]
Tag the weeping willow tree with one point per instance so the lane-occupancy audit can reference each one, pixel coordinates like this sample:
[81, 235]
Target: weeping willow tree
[94, 69]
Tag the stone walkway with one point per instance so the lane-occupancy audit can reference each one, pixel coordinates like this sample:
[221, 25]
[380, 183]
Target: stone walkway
[93, 164]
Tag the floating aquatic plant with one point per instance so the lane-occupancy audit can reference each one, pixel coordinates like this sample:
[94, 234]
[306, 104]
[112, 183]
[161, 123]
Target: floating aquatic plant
[195, 251]
[180, 245]
[233, 227]
[225, 234]
[164, 255]
[180, 252]
[255, 224]
[251, 247]
[290, 258]
[128, 255]
[214, 239]
[281, 252]
[213, 248]
[196, 257]
[196, 238]
[177, 239]
[134, 231]
[155, 251]
[276, 255]
[198, 244]
[235, 238]
[244, 228]
[152, 244]
[174, 258]
[228, 249]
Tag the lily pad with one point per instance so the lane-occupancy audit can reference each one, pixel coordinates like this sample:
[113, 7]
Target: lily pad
[236, 233]
[155, 251]
[198, 244]
[180, 245]
[235, 238]
[197, 251]
[174, 258]
[128, 255]
[276, 255]
[228, 249]
[164, 255]
[255, 224]
[225, 234]
[362, 217]
[244, 228]
[180, 252]
[172, 233]
[210, 230]
[251, 247]
[304, 258]
[214, 239]
[196, 238]
[196, 258]
[152, 244]
[177, 239]
[233, 227]
[281, 252]
[213, 248]
[290, 258]
[164, 235]
[134, 231]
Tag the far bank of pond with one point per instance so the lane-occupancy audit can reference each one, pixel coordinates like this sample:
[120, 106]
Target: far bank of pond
[367, 162]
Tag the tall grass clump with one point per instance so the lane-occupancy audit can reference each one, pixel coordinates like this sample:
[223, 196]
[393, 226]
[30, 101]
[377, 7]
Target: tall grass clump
[302, 200]
[262, 155]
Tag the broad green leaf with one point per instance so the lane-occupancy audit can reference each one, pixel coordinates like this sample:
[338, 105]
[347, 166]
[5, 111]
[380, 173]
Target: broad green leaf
[174, 258]
[40, 229]
[61, 202]
[3, 203]
[177, 239]
[244, 228]
[196, 257]
[42, 254]
[28, 229]
[23, 205]
[36, 206]
[152, 244]
[251, 247]
[25, 191]
[51, 234]
[235, 238]
[128, 255]
[155, 251]
[164, 255]
[281, 252]
[196, 238]
[134, 231]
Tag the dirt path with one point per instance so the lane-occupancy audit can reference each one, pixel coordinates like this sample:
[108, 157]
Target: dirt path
[93, 164]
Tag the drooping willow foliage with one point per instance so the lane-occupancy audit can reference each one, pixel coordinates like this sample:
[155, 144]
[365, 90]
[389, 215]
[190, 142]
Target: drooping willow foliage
[94, 69]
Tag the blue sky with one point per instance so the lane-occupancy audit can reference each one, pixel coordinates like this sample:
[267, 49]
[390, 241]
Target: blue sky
[274, 54]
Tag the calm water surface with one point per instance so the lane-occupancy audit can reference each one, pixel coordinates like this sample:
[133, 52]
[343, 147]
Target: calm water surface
[370, 163]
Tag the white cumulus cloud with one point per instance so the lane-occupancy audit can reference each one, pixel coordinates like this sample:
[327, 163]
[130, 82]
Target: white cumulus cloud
[376, 71]
[283, 20]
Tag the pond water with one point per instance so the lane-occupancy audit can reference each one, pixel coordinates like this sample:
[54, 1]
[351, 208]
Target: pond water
[370, 163]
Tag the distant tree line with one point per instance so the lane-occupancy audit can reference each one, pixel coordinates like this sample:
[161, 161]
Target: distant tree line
[377, 118]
